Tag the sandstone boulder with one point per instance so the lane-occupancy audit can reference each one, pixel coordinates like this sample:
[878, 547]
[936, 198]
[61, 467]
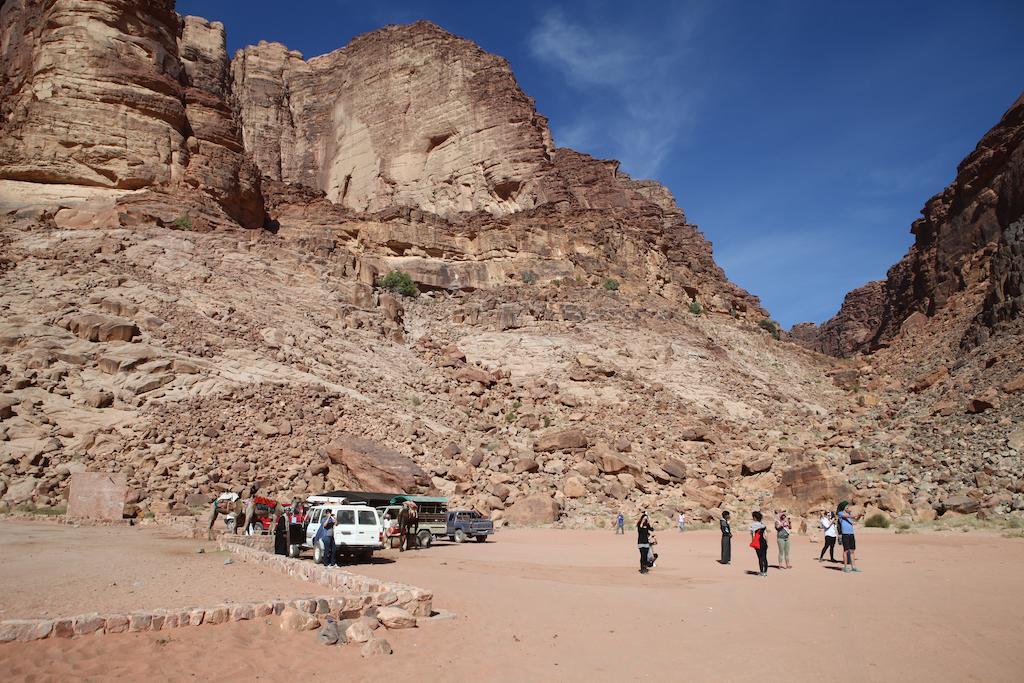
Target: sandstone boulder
[756, 462]
[376, 647]
[561, 439]
[395, 617]
[574, 487]
[372, 466]
[962, 504]
[293, 619]
[534, 509]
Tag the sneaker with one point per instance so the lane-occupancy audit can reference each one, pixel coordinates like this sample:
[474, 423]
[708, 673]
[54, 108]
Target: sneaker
[856, 570]
[644, 571]
[846, 570]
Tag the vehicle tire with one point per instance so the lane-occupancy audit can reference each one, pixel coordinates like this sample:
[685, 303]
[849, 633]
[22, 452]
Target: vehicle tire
[481, 539]
[294, 550]
[425, 539]
[460, 536]
[318, 553]
[452, 539]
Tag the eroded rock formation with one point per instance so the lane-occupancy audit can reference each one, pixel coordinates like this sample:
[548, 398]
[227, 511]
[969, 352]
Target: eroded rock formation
[120, 94]
[967, 255]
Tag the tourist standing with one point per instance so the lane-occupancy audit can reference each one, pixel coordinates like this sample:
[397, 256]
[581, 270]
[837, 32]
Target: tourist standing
[759, 543]
[846, 519]
[682, 522]
[726, 538]
[620, 524]
[783, 527]
[828, 525]
[643, 540]
[325, 535]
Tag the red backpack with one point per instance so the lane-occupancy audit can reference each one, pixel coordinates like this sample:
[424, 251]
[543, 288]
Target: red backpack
[758, 539]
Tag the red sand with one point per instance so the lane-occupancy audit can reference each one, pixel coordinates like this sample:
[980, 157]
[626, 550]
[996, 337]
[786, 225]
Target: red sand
[550, 605]
[53, 570]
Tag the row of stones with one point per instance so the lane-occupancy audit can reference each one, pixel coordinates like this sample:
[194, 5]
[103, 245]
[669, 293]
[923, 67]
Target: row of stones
[163, 619]
[415, 600]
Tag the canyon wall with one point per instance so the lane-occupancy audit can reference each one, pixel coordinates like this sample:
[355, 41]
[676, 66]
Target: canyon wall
[120, 94]
[967, 257]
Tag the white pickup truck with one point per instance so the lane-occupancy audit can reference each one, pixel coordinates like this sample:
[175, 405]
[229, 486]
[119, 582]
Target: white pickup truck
[357, 530]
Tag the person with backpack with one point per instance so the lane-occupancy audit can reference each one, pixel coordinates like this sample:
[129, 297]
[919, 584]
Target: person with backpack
[643, 541]
[846, 519]
[828, 525]
[783, 526]
[759, 543]
[726, 538]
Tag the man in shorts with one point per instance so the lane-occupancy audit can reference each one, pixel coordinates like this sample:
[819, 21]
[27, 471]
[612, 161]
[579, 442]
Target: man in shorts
[846, 519]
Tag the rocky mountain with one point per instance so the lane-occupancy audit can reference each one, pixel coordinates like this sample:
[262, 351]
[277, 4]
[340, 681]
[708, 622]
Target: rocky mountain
[121, 95]
[967, 257]
[190, 294]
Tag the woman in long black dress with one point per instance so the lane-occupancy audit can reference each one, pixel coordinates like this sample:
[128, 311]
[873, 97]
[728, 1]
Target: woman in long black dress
[281, 535]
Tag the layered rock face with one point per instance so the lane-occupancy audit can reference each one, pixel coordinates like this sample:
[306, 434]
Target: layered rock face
[120, 94]
[968, 251]
[407, 115]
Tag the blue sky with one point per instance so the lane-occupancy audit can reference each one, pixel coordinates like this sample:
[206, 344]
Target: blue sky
[802, 137]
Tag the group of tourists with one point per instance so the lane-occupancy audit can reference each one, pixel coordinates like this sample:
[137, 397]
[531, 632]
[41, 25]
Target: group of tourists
[838, 524]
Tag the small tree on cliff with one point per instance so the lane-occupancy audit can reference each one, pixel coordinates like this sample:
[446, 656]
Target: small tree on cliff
[400, 283]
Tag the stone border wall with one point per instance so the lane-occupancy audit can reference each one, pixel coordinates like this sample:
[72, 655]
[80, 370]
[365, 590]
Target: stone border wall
[415, 600]
[362, 593]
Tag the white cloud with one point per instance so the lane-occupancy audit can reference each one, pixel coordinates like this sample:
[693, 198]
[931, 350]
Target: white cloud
[635, 102]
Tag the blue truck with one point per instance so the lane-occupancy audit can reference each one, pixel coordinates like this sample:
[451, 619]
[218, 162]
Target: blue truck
[465, 524]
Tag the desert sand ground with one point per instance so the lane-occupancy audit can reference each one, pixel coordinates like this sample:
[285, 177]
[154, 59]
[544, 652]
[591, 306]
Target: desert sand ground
[553, 605]
[52, 570]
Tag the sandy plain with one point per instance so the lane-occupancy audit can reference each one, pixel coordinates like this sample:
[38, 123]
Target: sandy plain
[559, 605]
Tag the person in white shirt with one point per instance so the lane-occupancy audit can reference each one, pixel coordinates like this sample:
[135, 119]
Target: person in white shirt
[828, 524]
[682, 522]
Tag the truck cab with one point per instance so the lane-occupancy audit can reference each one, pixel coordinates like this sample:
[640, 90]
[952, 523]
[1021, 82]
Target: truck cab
[357, 530]
[465, 524]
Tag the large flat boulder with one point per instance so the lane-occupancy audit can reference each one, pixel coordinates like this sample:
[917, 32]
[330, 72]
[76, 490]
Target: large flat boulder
[373, 466]
[538, 508]
[561, 439]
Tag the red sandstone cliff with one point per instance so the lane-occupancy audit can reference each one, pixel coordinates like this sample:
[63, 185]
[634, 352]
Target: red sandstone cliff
[120, 94]
[968, 251]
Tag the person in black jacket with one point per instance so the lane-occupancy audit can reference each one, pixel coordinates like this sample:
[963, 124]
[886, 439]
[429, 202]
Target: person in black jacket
[643, 540]
[726, 538]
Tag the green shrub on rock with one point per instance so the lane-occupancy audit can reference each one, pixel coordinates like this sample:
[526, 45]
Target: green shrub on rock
[611, 284]
[771, 326]
[400, 283]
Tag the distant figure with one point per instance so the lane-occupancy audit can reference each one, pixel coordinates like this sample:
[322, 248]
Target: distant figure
[281, 535]
[828, 525]
[783, 526]
[759, 543]
[726, 538]
[846, 519]
[325, 536]
[643, 540]
[682, 522]
[620, 524]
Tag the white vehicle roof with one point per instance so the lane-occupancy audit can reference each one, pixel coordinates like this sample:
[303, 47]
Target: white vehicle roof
[339, 506]
[331, 500]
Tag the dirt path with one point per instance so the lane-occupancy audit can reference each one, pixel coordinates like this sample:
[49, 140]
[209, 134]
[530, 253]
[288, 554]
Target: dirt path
[569, 606]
